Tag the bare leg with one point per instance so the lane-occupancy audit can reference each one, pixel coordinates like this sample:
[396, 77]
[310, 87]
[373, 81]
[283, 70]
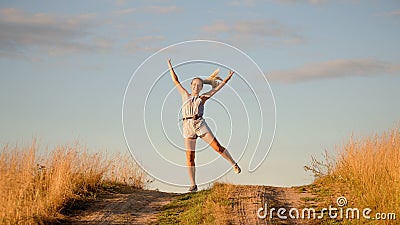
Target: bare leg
[190, 145]
[213, 142]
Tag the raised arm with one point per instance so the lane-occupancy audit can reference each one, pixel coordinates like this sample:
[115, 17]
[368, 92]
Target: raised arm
[174, 77]
[220, 85]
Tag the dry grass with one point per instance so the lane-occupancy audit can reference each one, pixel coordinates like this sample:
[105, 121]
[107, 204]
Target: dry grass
[218, 205]
[33, 188]
[368, 169]
[122, 170]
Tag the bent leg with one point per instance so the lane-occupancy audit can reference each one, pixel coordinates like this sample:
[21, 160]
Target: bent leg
[190, 145]
[213, 142]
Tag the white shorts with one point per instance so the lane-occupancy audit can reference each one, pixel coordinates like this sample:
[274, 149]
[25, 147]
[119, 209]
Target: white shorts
[195, 128]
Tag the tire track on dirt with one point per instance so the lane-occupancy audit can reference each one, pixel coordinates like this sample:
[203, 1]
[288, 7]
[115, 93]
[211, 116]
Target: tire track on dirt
[247, 200]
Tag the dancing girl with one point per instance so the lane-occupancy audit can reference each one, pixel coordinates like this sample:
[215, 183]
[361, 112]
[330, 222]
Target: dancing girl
[194, 125]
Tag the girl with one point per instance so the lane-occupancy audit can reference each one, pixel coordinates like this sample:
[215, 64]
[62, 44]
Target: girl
[195, 126]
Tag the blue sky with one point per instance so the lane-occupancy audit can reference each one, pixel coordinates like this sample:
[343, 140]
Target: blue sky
[333, 67]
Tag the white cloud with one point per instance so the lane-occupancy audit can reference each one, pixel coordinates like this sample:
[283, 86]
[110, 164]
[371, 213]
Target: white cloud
[125, 11]
[394, 13]
[253, 32]
[162, 9]
[243, 3]
[302, 1]
[120, 2]
[363, 67]
[149, 9]
[146, 43]
[24, 33]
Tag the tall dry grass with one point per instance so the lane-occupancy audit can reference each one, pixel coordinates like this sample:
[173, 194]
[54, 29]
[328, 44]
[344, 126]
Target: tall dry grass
[33, 188]
[121, 170]
[368, 169]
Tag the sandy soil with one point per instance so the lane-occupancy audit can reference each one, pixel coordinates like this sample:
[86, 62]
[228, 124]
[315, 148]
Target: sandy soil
[130, 207]
[247, 200]
[141, 206]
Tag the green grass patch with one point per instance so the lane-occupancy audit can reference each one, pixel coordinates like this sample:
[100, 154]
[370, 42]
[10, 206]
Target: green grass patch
[185, 209]
[212, 206]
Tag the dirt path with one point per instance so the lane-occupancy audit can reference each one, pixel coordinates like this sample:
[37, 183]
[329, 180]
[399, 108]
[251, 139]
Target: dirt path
[247, 200]
[141, 206]
[129, 207]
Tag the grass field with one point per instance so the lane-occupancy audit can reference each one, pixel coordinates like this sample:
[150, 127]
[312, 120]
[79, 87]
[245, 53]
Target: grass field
[34, 189]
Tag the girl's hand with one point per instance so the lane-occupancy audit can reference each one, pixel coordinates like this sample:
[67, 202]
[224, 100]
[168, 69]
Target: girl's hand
[169, 63]
[229, 75]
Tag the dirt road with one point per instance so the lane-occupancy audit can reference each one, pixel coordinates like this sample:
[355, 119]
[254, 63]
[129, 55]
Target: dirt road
[128, 207]
[247, 200]
[141, 206]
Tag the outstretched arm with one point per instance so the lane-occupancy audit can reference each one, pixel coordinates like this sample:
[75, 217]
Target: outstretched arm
[174, 77]
[220, 85]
